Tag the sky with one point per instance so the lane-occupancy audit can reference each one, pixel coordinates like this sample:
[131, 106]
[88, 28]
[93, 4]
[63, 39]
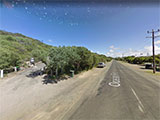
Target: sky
[112, 29]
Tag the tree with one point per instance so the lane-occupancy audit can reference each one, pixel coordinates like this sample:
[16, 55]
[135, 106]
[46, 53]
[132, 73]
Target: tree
[63, 59]
[57, 59]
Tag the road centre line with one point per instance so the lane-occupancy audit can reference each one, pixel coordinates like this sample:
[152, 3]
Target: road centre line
[141, 107]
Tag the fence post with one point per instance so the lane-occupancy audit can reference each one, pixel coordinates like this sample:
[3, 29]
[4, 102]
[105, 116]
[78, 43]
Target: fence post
[15, 69]
[1, 73]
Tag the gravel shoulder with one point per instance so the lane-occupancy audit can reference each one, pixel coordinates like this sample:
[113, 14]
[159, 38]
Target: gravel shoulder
[26, 98]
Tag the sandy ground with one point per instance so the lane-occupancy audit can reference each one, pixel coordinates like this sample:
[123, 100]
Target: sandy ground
[27, 98]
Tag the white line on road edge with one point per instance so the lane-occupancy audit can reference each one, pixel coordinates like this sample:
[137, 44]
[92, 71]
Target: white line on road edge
[141, 107]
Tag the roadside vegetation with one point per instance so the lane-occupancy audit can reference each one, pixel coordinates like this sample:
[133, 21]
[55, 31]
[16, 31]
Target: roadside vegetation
[16, 49]
[61, 60]
[139, 60]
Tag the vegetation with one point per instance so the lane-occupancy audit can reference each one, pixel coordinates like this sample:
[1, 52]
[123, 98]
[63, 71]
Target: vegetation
[16, 49]
[140, 60]
[63, 59]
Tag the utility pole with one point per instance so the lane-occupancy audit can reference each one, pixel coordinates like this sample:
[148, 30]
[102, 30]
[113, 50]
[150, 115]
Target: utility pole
[153, 48]
[159, 63]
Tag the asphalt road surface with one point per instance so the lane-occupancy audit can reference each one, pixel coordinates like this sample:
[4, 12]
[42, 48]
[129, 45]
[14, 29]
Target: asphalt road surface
[136, 97]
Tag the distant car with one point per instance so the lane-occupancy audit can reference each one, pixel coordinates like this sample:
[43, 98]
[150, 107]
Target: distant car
[148, 65]
[101, 65]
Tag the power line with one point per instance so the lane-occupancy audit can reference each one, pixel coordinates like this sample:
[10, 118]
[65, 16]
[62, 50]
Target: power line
[153, 50]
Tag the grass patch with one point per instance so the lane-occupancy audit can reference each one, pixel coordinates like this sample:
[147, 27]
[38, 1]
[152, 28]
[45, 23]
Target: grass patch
[151, 72]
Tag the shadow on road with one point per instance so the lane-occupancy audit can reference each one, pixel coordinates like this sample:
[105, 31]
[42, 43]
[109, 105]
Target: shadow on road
[34, 74]
[46, 79]
[49, 80]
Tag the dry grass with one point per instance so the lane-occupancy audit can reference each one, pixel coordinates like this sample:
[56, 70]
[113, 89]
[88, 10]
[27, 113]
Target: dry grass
[151, 72]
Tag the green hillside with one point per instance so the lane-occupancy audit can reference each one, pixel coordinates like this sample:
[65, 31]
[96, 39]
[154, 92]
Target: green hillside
[16, 48]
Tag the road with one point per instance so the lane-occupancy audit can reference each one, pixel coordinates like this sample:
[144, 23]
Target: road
[86, 96]
[137, 98]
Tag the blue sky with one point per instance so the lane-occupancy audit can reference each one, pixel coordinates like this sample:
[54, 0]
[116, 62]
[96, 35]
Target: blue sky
[112, 30]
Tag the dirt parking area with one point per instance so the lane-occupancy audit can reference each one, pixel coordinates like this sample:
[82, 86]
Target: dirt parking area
[27, 98]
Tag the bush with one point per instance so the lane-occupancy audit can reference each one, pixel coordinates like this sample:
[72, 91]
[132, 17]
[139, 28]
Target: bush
[63, 59]
[10, 38]
[140, 60]
[15, 49]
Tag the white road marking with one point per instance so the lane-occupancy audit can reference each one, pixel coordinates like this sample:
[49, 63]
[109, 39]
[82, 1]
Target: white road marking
[114, 84]
[115, 80]
[141, 107]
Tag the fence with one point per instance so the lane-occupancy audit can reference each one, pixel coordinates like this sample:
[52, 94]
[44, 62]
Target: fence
[8, 70]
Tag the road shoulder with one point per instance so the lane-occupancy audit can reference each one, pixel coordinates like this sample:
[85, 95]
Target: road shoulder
[142, 72]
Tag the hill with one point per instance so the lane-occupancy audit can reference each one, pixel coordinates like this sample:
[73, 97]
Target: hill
[16, 48]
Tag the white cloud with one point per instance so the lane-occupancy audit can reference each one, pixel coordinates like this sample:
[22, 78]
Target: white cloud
[92, 51]
[49, 40]
[100, 53]
[157, 42]
[108, 53]
[147, 50]
[111, 51]
[111, 47]
[157, 49]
